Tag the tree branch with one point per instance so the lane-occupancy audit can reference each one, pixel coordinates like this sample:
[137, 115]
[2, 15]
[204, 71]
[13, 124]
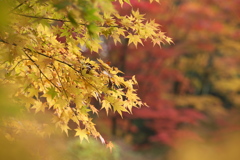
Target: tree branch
[65, 63]
[60, 61]
[42, 71]
[59, 78]
[17, 64]
[60, 20]
[17, 6]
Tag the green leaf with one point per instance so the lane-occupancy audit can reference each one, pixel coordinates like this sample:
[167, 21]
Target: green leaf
[62, 5]
[72, 19]
[52, 92]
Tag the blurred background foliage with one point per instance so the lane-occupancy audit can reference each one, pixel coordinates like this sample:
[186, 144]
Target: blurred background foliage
[192, 88]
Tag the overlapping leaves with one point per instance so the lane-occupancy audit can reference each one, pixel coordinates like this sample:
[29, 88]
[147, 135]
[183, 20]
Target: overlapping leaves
[52, 74]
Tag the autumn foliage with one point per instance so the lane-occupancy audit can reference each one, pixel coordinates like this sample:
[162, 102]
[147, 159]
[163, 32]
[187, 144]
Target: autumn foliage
[43, 68]
[189, 84]
[68, 60]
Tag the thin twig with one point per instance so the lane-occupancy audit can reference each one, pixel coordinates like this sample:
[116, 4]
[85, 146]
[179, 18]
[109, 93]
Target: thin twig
[60, 20]
[17, 64]
[42, 72]
[1, 40]
[69, 65]
[52, 19]
[60, 61]
[59, 78]
[42, 81]
[64, 90]
[17, 6]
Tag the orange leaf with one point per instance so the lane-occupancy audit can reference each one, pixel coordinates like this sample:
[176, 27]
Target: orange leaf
[110, 146]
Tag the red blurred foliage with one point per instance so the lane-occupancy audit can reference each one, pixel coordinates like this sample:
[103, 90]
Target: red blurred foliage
[196, 27]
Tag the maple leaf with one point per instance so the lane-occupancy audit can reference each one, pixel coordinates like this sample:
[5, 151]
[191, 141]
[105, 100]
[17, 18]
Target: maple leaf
[38, 106]
[81, 133]
[43, 58]
[94, 110]
[128, 2]
[106, 105]
[110, 145]
[51, 91]
[135, 39]
[134, 80]
[122, 1]
[64, 127]
[137, 14]
[154, 0]
[118, 106]
[169, 40]
[33, 92]
[157, 41]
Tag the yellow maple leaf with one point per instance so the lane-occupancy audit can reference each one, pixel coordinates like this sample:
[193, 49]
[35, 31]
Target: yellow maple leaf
[128, 2]
[64, 127]
[106, 105]
[39, 106]
[82, 133]
[94, 110]
[135, 39]
[119, 107]
[137, 14]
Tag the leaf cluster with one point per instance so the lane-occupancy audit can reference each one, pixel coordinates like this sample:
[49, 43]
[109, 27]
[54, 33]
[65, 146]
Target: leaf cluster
[48, 74]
